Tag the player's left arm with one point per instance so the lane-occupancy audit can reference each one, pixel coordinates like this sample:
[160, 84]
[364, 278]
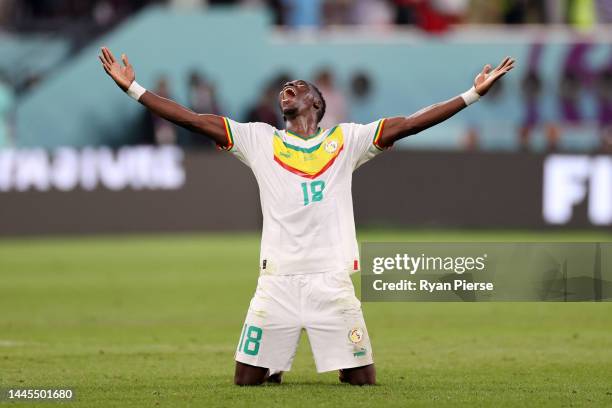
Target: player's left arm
[399, 127]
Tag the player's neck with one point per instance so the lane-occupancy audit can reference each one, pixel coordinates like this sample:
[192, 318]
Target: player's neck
[302, 126]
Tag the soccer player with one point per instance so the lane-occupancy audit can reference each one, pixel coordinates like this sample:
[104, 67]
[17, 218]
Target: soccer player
[308, 243]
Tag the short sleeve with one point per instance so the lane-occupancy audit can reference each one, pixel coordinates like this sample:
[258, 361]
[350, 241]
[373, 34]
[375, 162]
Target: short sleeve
[363, 141]
[244, 139]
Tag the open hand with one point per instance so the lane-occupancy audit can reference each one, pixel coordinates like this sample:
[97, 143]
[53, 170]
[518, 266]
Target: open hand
[123, 75]
[487, 78]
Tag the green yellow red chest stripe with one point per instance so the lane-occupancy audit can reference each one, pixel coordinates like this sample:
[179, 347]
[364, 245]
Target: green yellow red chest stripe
[312, 161]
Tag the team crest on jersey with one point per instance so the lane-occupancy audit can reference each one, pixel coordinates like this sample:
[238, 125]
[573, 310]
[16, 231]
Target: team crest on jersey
[355, 335]
[308, 158]
[331, 146]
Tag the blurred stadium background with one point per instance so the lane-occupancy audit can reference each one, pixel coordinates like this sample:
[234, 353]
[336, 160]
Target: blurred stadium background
[543, 134]
[128, 319]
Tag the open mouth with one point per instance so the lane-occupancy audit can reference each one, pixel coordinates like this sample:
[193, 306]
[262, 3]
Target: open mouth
[288, 93]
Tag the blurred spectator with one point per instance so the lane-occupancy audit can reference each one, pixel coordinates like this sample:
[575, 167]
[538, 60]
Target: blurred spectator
[104, 13]
[603, 89]
[470, 141]
[454, 11]
[361, 85]
[433, 16]
[91, 16]
[85, 17]
[187, 5]
[6, 12]
[569, 92]
[371, 13]
[158, 130]
[524, 11]
[515, 12]
[556, 11]
[302, 13]
[82, 20]
[604, 11]
[202, 95]
[266, 108]
[405, 11]
[606, 140]
[281, 79]
[336, 12]
[485, 12]
[6, 107]
[202, 99]
[552, 132]
[278, 10]
[582, 13]
[361, 93]
[336, 111]
[531, 88]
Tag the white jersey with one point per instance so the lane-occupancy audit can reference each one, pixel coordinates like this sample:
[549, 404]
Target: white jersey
[305, 191]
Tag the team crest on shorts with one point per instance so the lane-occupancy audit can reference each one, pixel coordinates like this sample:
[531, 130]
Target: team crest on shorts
[331, 146]
[355, 335]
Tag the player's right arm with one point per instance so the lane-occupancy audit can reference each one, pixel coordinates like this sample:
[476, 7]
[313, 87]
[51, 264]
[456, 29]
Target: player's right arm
[209, 125]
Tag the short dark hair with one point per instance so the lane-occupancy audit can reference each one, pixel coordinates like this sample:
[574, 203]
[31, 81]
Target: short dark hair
[323, 103]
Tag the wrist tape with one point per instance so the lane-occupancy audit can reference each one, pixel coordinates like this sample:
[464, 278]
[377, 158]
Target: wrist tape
[470, 96]
[135, 91]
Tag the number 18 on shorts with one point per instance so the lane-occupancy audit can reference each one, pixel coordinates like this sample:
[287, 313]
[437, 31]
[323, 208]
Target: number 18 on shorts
[324, 305]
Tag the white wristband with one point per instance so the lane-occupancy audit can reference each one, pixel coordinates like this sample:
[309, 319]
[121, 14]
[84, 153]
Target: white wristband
[470, 96]
[135, 90]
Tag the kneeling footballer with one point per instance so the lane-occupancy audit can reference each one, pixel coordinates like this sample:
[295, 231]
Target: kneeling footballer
[308, 244]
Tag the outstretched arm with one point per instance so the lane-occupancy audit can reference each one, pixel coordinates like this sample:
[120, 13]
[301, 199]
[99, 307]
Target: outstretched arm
[400, 127]
[209, 125]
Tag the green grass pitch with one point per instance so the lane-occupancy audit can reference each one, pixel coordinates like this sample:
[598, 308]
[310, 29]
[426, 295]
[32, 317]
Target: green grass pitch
[147, 321]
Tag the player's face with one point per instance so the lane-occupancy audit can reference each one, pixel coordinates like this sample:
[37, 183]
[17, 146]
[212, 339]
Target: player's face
[296, 97]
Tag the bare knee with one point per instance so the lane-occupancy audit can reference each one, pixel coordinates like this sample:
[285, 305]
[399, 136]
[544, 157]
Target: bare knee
[244, 380]
[363, 381]
[249, 375]
[365, 375]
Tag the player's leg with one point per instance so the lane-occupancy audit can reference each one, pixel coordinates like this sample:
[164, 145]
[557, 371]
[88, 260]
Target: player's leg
[270, 333]
[365, 375]
[336, 329]
[249, 375]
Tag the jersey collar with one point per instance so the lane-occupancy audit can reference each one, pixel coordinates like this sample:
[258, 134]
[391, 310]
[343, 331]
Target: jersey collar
[317, 133]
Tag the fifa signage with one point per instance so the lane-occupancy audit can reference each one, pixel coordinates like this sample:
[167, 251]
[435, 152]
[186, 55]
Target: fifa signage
[68, 169]
[569, 180]
[572, 191]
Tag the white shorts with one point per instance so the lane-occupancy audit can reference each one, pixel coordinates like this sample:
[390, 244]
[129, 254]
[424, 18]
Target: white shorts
[324, 304]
